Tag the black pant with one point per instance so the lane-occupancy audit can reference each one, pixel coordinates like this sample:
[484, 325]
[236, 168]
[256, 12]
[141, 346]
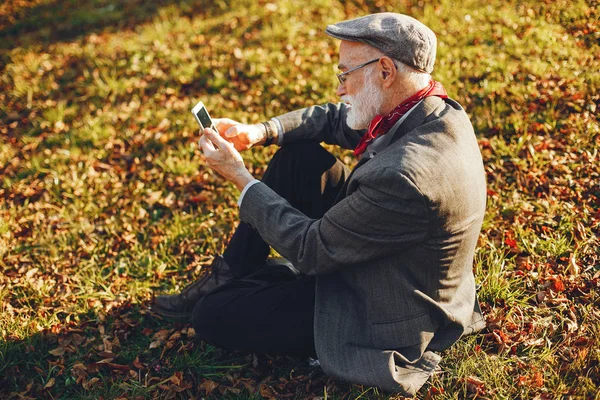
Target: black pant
[264, 310]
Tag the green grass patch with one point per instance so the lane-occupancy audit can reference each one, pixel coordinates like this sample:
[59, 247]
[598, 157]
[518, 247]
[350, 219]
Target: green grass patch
[105, 199]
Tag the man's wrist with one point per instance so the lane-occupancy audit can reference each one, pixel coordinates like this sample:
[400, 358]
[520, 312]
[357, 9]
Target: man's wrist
[279, 129]
[242, 179]
[270, 133]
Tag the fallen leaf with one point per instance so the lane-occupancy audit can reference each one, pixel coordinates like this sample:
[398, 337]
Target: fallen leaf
[137, 363]
[199, 198]
[59, 351]
[159, 338]
[267, 391]
[31, 273]
[155, 344]
[191, 333]
[107, 354]
[538, 379]
[541, 296]
[475, 385]
[79, 370]
[119, 367]
[147, 331]
[233, 390]
[87, 385]
[557, 284]
[572, 326]
[208, 386]
[153, 197]
[176, 378]
[50, 383]
[162, 334]
[573, 267]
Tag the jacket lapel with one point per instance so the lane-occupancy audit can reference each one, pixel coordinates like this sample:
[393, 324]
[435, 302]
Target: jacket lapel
[342, 192]
[412, 121]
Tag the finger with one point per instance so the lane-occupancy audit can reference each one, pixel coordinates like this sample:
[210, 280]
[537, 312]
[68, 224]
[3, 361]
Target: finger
[223, 144]
[214, 137]
[223, 124]
[206, 145]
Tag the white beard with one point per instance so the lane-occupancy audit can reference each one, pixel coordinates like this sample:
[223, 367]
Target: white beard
[365, 105]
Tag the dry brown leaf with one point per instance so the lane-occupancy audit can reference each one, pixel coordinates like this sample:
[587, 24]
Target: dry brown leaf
[208, 386]
[176, 378]
[162, 334]
[267, 391]
[573, 267]
[137, 363]
[107, 354]
[159, 338]
[79, 370]
[59, 351]
[541, 296]
[199, 198]
[538, 379]
[233, 390]
[119, 367]
[475, 385]
[87, 385]
[155, 344]
[31, 273]
[557, 284]
[153, 197]
[475, 380]
[191, 333]
[50, 383]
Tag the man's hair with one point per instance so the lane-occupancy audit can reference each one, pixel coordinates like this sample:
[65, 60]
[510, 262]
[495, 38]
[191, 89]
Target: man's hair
[417, 78]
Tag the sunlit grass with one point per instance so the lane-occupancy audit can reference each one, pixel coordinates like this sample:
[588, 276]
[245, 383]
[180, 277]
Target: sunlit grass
[105, 200]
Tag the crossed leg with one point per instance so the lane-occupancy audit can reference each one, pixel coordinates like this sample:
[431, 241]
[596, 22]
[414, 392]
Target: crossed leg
[265, 310]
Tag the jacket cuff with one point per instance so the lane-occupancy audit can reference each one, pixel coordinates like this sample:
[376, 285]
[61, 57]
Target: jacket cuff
[248, 186]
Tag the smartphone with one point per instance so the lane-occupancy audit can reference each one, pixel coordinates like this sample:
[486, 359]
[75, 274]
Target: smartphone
[202, 116]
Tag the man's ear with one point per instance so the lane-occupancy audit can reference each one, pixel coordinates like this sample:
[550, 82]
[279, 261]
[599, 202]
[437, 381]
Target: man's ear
[388, 71]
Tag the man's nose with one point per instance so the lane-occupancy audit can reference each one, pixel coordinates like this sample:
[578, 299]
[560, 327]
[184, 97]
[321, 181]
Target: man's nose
[341, 90]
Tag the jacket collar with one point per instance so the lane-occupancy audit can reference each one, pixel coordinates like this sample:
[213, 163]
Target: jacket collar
[414, 119]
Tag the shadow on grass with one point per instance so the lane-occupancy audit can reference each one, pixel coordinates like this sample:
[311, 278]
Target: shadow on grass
[54, 21]
[130, 352]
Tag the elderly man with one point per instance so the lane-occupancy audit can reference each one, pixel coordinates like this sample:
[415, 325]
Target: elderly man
[382, 255]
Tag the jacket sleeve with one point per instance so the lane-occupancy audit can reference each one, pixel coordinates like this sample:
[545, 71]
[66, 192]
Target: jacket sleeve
[326, 123]
[384, 214]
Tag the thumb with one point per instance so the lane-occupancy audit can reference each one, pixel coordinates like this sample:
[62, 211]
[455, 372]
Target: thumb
[232, 132]
[215, 138]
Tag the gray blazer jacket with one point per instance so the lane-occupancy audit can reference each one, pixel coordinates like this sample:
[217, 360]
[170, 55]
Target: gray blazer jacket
[393, 258]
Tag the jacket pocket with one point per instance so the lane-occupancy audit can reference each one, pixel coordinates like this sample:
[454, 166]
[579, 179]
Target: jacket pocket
[409, 332]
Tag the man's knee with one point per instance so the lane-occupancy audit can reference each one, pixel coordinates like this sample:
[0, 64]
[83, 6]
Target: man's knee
[206, 319]
[307, 155]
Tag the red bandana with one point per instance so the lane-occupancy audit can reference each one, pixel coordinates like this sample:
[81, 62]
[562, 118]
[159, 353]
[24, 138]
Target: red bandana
[381, 125]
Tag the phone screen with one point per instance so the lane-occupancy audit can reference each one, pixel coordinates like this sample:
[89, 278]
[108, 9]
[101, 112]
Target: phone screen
[202, 115]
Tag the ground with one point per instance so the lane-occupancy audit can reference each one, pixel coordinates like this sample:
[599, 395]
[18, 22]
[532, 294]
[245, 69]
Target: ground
[105, 199]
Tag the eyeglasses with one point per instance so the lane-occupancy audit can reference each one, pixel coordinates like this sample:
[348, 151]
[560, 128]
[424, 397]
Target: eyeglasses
[344, 75]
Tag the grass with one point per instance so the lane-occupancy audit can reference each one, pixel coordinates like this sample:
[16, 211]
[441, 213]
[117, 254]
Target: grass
[105, 199]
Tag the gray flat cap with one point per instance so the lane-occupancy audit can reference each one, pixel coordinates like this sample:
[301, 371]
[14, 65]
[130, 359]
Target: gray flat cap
[396, 35]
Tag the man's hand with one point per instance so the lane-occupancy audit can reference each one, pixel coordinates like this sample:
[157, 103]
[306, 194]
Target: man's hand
[242, 136]
[224, 158]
